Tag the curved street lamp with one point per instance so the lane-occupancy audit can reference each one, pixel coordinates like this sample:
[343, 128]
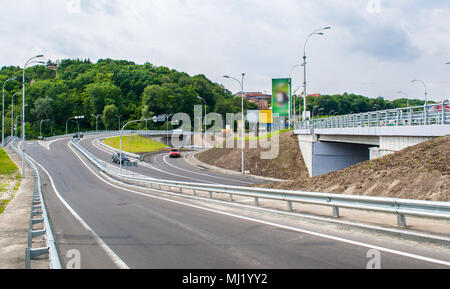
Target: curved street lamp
[16, 122]
[12, 112]
[406, 95]
[316, 32]
[241, 83]
[204, 135]
[3, 108]
[425, 86]
[40, 127]
[96, 121]
[121, 131]
[29, 61]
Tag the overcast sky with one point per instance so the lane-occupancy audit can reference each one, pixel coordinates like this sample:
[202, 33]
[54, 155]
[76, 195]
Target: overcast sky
[375, 47]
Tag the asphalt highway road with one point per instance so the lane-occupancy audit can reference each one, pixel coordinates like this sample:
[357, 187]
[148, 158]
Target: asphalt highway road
[177, 169]
[113, 226]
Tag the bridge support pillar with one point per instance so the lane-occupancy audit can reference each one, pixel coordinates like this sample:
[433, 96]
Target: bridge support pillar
[324, 157]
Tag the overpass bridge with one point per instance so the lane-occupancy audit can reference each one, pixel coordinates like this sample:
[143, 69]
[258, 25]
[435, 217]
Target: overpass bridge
[334, 143]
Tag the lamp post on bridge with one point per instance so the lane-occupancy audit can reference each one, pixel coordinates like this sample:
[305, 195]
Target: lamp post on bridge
[406, 95]
[425, 87]
[316, 32]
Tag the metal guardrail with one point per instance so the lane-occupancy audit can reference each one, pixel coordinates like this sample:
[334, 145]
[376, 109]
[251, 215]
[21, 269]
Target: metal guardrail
[431, 114]
[38, 215]
[7, 140]
[400, 207]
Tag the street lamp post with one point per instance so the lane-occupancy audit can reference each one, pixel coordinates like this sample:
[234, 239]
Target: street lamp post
[119, 116]
[96, 121]
[290, 72]
[312, 113]
[204, 135]
[16, 122]
[23, 112]
[407, 97]
[40, 126]
[12, 112]
[67, 122]
[425, 87]
[167, 123]
[318, 111]
[316, 32]
[3, 109]
[243, 119]
[121, 131]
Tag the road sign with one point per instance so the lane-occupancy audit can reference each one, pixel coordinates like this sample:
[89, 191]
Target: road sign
[162, 117]
[155, 118]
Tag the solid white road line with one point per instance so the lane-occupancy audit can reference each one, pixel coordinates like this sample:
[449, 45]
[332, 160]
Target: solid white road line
[208, 175]
[144, 164]
[47, 144]
[114, 257]
[339, 239]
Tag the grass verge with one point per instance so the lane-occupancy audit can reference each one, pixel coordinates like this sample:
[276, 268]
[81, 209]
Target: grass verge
[135, 144]
[10, 179]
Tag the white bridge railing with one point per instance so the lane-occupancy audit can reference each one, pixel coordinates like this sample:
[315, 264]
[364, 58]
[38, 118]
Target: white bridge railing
[431, 114]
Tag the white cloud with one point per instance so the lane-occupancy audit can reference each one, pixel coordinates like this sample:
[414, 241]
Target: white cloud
[368, 53]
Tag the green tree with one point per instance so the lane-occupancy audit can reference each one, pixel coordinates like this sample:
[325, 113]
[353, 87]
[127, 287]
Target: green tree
[110, 119]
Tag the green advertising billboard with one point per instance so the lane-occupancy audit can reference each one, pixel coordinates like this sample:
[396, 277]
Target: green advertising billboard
[281, 96]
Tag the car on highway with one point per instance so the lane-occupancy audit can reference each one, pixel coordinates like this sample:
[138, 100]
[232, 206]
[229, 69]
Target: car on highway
[174, 153]
[116, 158]
[76, 135]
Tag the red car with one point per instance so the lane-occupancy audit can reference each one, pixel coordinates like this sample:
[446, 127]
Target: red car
[175, 153]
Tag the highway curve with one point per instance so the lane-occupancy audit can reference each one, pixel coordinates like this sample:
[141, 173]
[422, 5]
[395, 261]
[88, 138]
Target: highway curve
[116, 226]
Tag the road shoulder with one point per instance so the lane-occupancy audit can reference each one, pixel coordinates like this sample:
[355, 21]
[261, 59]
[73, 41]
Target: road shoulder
[14, 222]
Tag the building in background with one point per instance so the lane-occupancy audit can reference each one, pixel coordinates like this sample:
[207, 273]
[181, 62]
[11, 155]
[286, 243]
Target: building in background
[258, 98]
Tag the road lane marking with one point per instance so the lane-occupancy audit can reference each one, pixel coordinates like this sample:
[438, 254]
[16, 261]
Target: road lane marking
[290, 228]
[114, 257]
[144, 164]
[208, 175]
[47, 144]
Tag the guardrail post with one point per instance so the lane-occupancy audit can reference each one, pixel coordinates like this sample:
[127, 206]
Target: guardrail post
[231, 198]
[401, 220]
[27, 258]
[289, 206]
[195, 192]
[336, 212]
[210, 195]
[256, 201]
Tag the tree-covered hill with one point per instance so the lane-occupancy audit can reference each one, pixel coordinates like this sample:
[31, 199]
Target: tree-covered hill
[110, 88]
[114, 88]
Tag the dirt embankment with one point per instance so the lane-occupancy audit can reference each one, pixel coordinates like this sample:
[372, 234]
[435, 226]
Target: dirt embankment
[417, 172]
[288, 165]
